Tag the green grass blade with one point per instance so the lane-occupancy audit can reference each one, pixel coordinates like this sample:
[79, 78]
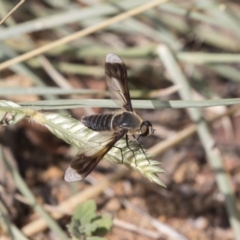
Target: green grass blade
[142, 104]
[213, 154]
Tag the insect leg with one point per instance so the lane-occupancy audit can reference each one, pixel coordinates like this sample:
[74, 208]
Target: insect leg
[131, 149]
[136, 138]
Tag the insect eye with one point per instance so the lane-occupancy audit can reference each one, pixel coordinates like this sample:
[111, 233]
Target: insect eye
[145, 129]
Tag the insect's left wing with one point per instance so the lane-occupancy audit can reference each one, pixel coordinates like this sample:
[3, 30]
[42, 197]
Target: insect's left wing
[116, 78]
[88, 158]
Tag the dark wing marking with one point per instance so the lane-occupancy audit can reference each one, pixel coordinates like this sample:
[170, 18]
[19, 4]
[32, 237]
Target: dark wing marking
[86, 161]
[116, 78]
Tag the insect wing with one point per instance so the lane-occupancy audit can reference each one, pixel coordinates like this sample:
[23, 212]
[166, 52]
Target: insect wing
[88, 158]
[116, 78]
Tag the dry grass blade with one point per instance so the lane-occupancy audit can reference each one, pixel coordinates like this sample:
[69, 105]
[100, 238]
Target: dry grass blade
[137, 229]
[82, 33]
[204, 36]
[164, 229]
[12, 11]
[70, 204]
[24, 189]
[212, 152]
[54, 74]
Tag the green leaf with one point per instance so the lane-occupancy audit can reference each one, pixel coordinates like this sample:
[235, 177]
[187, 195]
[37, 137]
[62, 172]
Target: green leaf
[104, 224]
[90, 229]
[85, 212]
[73, 228]
[85, 222]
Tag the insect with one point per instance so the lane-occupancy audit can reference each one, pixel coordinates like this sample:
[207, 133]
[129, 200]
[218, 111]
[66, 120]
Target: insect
[119, 124]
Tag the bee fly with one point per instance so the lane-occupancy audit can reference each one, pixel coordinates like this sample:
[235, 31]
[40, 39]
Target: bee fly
[120, 123]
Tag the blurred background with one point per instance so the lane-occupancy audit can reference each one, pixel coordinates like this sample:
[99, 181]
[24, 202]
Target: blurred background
[204, 39]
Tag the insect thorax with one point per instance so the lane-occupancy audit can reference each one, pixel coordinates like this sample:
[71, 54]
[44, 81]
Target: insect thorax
[126, 120]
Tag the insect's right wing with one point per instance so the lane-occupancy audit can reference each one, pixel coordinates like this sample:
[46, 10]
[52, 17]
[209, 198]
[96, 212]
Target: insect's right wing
[88, 158]
[116, 78]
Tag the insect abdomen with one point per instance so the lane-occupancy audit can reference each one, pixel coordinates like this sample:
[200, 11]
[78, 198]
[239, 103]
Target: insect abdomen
[98, 122]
